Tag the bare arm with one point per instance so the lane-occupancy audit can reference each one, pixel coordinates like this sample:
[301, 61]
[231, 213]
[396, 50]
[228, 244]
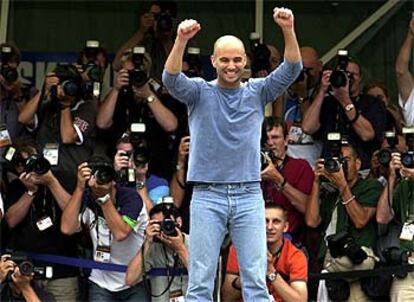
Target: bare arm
[165, 118]
[67, 130]
[119, 228]
[312, 214]
[28, 111]
[178, 181]
[295, 291]
[405, 81]
[18, 211]
[186, 30]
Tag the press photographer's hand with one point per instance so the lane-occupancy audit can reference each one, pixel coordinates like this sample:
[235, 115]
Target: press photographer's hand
[84, 174]
[153, 230]
[121, 79]
[173, 242]
[121, 160]
[6, 266]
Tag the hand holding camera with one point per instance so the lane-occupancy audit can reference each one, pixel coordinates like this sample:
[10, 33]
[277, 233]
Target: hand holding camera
[27, 179]
[121, 79]
[6, 266]
[21, 281]
[141, 93]
[84, 174]
[153, 230]
[183, 150]
[174, 241]
[122, 159]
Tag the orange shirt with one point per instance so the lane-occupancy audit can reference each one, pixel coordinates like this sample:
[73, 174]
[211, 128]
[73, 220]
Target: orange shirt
[291, 265]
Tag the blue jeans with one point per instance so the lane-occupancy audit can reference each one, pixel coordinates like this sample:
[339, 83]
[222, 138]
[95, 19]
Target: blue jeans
[215, 210]
[132, 294]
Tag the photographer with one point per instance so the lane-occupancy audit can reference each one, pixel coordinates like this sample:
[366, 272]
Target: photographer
[345, 205]
[64, 120]
[116, 220]
[396, 203]
[165, 246]
[286, 181]
[287, 270]
[131, 101]
[34, 204]
[135, 160]
[156, 33]
[338, 106]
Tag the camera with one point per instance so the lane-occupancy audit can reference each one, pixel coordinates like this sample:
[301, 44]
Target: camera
[395, 256]
[407, 158]
[266, 153]
[332, 162]
[127, 175]
[385, 154]
[94, 72]
[38, 164]
[142, 153]
[27, 267]
[260, 54]
[69, 78]
[164, 22]
[343, 244]
[340, 76]
[192, 57]
[102, 171]
[9, 73]
[168, 225]
[138, 76]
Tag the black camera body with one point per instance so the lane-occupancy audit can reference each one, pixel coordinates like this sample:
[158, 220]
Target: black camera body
[69, 78]
[192, 57]
[27, 268]
[385, 154]
[266, 153]
[142, 151]
[127, 175]
[407, 158]
[339, 77]
[38, 164]
[332, 162]
[164, 22]
[138, 76]
[260, 54]
[102, 171]
[9, 73]
[343, 244]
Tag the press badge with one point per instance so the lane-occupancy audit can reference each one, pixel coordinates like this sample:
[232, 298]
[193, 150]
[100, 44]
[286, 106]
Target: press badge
[51, 153]
[44, 223]
[407, 232]
[5, 139]
[177, 296]
[103, 254]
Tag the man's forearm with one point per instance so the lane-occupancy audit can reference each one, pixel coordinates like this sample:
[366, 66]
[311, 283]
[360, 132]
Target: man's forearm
[69, 222]
[311, 118]
[67, 131]
[384, 213]
[312, 216]
[363, 128]
[287, 293]
[296, 197]
[62, 197]
[18, 211]
[164, 117]
[359, 215]
[104, 117]
[30, 295]
[119, 228]
[292, 52]
[173, 65]
[27, 113]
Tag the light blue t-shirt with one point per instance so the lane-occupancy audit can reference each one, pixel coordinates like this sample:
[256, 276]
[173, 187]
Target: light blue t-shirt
[225, 124]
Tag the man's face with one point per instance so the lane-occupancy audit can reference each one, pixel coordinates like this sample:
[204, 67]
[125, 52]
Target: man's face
[314, 66]
[276, 141]
[353, 69]
[274, 58]
[353, 163]
[229, 61]
[276, 224]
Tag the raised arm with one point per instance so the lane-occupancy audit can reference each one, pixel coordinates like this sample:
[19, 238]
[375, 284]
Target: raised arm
[186, 30]
[284, 18]
[405, 80]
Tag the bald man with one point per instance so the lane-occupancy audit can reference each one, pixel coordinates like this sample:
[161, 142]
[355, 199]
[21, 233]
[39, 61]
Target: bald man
[225, 119]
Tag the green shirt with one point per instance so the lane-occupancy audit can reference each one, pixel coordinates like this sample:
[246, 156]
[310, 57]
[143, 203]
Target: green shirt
[367, 193]
[401, 200]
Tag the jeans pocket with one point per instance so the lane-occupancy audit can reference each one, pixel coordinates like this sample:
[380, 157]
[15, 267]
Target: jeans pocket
[252, 188]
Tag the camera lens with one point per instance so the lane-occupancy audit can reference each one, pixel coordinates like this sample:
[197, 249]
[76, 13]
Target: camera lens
[37, 164]
[407, 159]
[137, 77]
[26, 268]
[9, 74]
[168, 227]
[384, 157]
[331, 165]
[338, 78]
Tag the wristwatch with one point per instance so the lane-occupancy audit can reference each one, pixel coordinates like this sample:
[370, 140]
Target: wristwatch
[349, 107]
[271, 277]
[150, 99]
[104, 199]
[140, 185]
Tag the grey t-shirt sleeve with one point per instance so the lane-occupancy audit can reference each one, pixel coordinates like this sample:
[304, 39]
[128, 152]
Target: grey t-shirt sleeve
[280, 79]
[181, 87]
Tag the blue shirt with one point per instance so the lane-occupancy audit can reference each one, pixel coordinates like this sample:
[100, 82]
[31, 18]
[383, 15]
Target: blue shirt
[225, 124]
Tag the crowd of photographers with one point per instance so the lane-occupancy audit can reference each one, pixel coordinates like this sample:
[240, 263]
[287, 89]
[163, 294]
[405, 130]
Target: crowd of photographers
[102, 176]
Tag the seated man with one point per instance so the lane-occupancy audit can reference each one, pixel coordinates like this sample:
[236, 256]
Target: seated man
[163, 248]
[287, 270]
[116, 219]
[344, 206]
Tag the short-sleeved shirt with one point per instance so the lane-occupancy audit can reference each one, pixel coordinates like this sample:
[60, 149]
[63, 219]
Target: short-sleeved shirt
[408, 108]
[367, 192]
[291, 265]
[403, 204]
[132, 210]
[299, 175]
[70, 155]
[334, 119]
[225, 124]
[160, 256]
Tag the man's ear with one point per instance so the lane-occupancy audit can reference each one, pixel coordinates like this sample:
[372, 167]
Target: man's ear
[213, 61]
[179, 222]
[358, 164]
[285, 229]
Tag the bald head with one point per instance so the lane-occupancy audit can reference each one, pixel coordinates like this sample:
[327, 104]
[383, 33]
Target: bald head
[309, 54]
[310, 58]
[226, 42]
